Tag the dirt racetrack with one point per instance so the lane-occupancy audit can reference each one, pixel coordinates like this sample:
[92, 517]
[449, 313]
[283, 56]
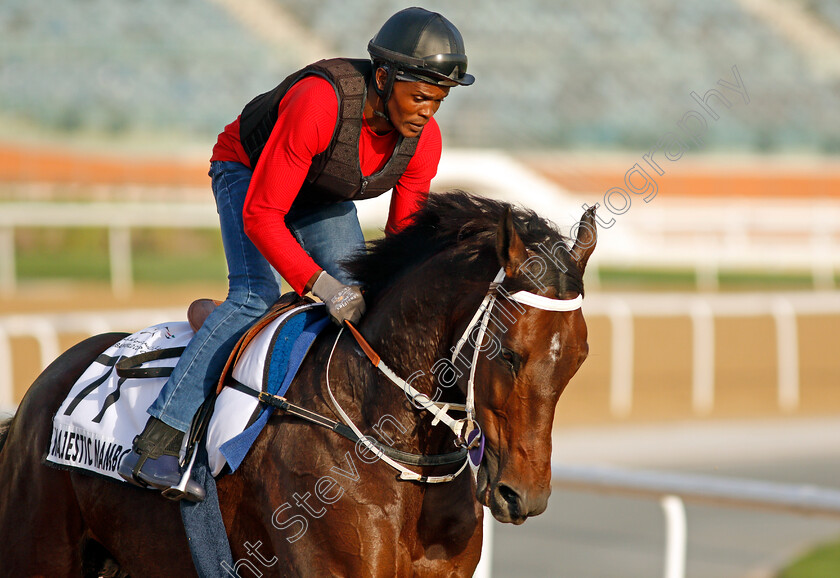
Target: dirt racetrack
[745, 374]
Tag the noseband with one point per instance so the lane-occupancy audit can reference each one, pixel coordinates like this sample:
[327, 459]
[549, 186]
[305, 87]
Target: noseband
[467, 430]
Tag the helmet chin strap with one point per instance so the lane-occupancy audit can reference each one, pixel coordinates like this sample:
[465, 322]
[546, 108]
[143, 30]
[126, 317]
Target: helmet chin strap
[385, 93]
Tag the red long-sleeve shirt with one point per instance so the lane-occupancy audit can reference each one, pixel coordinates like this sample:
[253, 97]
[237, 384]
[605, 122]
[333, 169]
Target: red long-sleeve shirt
[307, 116]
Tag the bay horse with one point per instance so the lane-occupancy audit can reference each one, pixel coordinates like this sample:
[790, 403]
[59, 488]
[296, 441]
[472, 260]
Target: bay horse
[306, 501]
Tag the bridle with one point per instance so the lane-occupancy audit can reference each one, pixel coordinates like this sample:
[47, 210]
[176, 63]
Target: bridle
[467, 431]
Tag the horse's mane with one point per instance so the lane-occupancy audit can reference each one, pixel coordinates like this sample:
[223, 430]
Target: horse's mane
[464, 226]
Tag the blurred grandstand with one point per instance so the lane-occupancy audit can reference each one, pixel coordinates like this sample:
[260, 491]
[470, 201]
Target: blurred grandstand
[570, 96]
[572, 93]
[600, 74]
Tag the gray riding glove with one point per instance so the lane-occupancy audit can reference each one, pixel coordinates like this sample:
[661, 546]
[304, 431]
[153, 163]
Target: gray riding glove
[344, 302]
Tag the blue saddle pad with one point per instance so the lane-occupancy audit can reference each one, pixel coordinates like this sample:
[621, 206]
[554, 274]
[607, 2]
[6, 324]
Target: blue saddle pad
[286, 353]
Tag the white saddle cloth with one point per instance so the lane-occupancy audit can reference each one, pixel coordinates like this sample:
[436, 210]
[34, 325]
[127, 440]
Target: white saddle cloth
[96, 424]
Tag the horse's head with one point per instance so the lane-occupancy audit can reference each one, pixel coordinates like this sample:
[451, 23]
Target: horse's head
[531, 355]
[425, 285]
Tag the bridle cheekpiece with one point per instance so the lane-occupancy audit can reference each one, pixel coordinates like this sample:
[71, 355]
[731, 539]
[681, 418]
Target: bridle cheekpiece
[467, 431]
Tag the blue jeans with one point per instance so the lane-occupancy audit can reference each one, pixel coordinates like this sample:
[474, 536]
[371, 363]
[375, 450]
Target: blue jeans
[327, 233]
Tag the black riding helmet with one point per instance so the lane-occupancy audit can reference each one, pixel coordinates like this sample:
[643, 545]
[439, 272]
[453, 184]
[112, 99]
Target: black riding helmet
[419, 46]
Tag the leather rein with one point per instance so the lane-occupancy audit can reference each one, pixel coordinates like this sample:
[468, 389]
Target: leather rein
[468, 435]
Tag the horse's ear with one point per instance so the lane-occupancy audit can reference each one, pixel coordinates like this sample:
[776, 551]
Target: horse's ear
[585, 239]
[509, 247]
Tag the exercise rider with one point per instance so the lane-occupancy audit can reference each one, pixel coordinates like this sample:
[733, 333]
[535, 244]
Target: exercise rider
[285, 174]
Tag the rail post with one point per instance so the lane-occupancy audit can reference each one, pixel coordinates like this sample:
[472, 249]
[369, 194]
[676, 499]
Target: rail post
[621, 358]
[119, 244]
[703, 357]
[787, 353]
[485, 565]
[8, 279]
[675, 536]
[7, 393]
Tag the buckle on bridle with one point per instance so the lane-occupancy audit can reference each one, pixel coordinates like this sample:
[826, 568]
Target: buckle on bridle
[470, 434]
[473, 442]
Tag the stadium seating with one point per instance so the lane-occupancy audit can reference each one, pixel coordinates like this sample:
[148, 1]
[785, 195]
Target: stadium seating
[599, 74]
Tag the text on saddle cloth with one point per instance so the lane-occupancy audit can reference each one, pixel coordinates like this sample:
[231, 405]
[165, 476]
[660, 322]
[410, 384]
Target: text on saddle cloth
[106, 408]
[95, 425]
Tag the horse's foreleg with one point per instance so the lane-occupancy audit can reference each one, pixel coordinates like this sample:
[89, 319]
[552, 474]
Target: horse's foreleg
[449, 530]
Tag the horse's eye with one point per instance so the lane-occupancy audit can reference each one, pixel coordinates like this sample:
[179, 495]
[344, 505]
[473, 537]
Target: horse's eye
[510, 359]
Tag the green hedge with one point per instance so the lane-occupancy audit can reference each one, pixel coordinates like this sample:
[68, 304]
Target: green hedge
[173, 256]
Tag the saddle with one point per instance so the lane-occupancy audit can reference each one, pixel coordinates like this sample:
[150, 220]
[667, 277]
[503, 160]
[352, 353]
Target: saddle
[197, 313]
[286, 302]
[200, 309]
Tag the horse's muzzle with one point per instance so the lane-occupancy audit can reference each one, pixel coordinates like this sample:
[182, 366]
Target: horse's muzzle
[509, 503]
[515, 506]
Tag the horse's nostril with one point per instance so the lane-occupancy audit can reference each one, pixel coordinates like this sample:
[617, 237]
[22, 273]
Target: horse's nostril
[509, 495]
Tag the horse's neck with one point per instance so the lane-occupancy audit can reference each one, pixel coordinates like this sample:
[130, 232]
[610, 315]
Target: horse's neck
[411, 329]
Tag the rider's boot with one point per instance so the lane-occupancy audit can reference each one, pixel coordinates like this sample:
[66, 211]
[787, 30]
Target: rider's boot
[154, 461]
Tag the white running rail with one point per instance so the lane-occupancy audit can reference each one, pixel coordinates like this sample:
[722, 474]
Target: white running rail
[46, 329]
[702, 310]
[708, 238]
[622, 310]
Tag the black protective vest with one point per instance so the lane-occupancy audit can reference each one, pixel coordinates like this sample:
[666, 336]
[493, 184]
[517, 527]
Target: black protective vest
[335, 174]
